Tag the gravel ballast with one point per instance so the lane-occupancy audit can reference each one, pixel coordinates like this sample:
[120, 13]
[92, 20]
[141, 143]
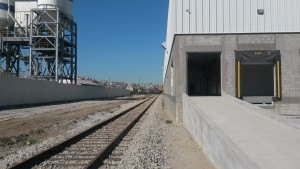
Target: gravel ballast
[161, 144]
[148, 148]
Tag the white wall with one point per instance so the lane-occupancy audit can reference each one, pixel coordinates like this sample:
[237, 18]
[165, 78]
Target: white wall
[15, 91]
[230, 16]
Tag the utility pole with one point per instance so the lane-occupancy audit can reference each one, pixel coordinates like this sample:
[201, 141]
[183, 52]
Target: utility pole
[139, 80]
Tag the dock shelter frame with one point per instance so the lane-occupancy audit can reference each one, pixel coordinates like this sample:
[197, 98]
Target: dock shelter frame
[258, 57]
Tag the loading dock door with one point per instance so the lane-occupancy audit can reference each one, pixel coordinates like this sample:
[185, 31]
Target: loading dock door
[203, 74]
[257, 80]
[255, 73]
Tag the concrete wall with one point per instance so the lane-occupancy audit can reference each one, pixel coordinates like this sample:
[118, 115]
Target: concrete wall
[288, 44]
[221, 151]
[15, 91]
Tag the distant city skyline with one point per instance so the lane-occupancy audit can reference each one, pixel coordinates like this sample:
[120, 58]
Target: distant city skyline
[121, 40]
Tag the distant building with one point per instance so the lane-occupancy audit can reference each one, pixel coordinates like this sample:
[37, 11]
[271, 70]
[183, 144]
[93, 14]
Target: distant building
[247, 49]
[130, 88]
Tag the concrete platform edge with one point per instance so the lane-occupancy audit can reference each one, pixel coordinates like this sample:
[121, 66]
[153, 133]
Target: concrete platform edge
[222, 152]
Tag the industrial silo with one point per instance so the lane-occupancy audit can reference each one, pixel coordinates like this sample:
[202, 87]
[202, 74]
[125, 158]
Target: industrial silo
[5, 19]
[63, 5]
[50, 4]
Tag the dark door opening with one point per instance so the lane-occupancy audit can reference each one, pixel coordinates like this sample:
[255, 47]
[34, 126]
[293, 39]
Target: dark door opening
[257, 80]
[204, 74]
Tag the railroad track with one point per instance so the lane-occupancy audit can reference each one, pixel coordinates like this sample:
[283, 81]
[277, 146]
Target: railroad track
[101, 145]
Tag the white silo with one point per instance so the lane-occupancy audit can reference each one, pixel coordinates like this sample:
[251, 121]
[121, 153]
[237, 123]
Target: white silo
[4, 17]
[50, 4]
[63, 5]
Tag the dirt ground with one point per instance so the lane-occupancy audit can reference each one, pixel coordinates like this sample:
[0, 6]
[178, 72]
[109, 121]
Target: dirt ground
[185, 152]
[27, 126]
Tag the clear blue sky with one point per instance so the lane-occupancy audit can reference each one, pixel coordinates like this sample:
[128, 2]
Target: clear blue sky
[121, 39]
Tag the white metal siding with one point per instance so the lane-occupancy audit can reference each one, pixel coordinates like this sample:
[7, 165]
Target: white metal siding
[199, 15]
[193, 15]
[230, 16]
[226, 16]
[220, 16]
[186, 17]
[247, 16]
[234, 16]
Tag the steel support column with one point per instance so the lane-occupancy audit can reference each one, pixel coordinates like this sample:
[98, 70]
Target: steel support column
[53, 52]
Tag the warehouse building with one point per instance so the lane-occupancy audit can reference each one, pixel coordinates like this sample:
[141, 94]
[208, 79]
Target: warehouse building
[249, 49]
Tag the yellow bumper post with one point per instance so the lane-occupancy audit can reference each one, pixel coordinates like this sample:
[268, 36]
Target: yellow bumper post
[238, 79]
[278, 81]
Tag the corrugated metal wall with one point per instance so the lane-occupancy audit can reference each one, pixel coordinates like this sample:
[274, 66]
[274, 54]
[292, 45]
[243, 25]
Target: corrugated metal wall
[230, 16]
[234, 16]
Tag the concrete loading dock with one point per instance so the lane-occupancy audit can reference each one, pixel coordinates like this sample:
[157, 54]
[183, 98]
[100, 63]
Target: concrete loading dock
[236, 135]
[230, 132]
[258, 44]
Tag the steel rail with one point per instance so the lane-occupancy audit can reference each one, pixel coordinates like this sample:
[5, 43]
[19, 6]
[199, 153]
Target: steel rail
[44, 155]
[106, 151]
